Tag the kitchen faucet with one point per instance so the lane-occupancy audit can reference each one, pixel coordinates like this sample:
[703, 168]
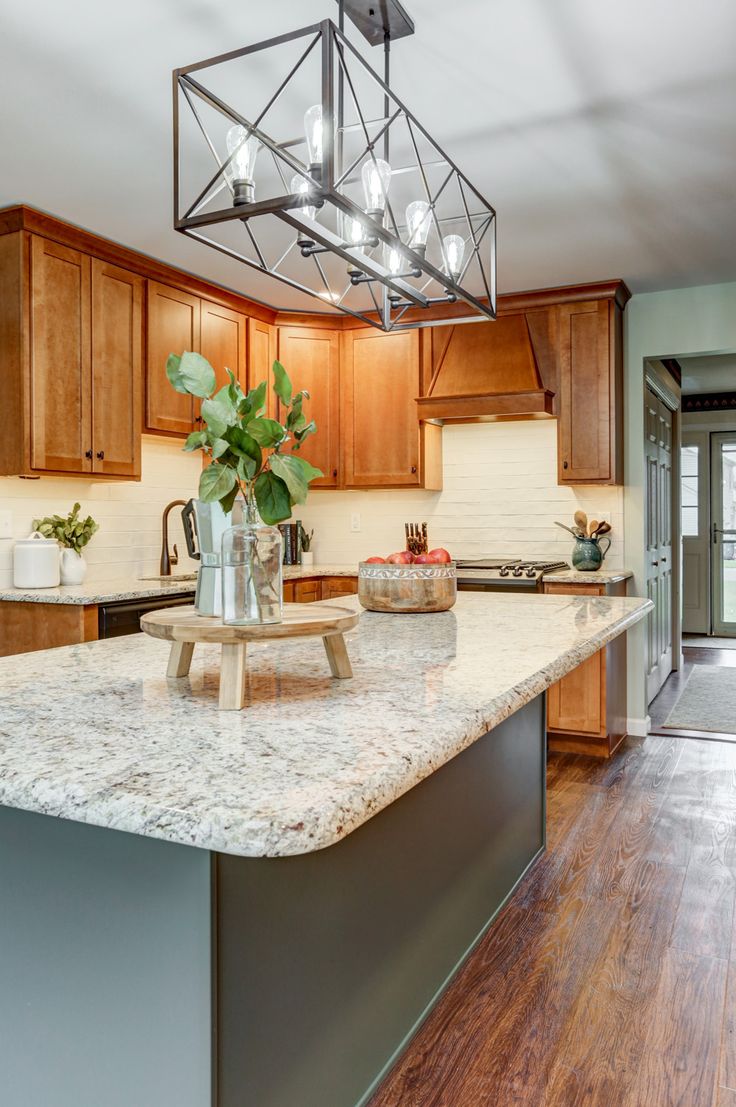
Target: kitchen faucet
[167, 559]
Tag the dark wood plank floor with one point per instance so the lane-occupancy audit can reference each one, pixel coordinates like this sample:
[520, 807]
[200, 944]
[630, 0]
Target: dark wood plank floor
[610, 977]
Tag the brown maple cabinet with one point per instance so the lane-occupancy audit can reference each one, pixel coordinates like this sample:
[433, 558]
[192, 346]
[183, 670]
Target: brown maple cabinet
[590, 402]
[71, 335]
[311, 357]
[586, 710]
[384, 444]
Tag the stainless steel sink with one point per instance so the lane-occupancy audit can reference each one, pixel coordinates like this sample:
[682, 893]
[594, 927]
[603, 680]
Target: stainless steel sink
[172, 578]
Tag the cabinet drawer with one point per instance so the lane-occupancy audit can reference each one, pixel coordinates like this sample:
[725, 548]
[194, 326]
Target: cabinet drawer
[307, 591]
[333, 587]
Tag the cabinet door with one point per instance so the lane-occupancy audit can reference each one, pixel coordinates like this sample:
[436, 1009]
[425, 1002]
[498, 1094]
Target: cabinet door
[261, 356]
[587, 394]
[173, 326]
[117, 359]
[311, 358]
[575, 702]
[333, 587]
[307, 591]
[60, 351]
[223, 341]
[380, 425]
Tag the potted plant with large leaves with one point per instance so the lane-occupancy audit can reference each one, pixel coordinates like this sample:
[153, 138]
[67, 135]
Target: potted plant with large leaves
[256, 457]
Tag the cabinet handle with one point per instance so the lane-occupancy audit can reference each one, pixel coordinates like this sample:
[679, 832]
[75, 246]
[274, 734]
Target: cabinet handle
[198, 419]
[88, 453]
[101, 455]
[564, 465]
[655, 563]
[413, 468]
[334, 472]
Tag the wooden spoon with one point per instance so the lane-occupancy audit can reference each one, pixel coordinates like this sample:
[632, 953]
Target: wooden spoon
[603, 528]
[592, 527]
[581, 520]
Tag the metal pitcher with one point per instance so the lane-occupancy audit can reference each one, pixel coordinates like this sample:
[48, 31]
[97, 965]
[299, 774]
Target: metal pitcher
[204, 526]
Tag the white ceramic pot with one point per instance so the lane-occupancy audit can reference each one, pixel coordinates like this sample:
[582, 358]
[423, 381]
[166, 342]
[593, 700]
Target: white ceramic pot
[307, 558]
[36, 562]
[73, 567]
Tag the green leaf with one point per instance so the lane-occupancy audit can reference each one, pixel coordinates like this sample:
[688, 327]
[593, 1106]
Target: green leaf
[247, 468]
[243, 445]
[173, 372]
[196, 440]
[256, 398]
[216, 482]
[293, 477]
[304, 432]
[309, 472]
[281, 383]
[219, 447]
[267, 432]
[272, 497]
[227, 501]
[197, 374]
[219, 414]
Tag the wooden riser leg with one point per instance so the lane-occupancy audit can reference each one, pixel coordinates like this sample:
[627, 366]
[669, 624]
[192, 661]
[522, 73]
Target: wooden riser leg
[232, 676]
[337, 655]
[180, 659]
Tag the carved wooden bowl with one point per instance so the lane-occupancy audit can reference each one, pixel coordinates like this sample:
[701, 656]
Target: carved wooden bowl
[407, 589]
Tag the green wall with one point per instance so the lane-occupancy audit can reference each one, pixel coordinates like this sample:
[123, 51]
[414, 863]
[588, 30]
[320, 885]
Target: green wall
[676, 323]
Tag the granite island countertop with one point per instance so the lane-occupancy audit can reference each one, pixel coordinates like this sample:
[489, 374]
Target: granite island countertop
[134, 588]
[102, 737]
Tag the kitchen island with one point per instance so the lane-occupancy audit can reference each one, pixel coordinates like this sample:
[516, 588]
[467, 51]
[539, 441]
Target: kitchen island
[226, 909]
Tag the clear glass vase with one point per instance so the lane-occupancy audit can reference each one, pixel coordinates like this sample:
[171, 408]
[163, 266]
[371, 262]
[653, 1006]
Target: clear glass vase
[251, 571]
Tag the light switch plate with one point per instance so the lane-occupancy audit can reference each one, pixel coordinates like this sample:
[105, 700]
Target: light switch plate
[6, 524]
[355, 521]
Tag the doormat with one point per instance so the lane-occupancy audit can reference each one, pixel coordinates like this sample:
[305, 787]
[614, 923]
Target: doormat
[708, 643]
[707, 702]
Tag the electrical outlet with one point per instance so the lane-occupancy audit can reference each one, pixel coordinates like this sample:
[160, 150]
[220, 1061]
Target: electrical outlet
[355, 521]
[6, 524]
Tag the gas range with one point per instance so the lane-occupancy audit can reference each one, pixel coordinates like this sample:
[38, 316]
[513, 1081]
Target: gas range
[501, 574]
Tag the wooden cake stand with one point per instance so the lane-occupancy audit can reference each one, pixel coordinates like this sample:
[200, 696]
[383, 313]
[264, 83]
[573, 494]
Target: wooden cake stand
[183, 627]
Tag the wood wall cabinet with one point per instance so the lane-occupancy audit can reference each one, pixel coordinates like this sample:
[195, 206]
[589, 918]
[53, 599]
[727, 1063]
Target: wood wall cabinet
[384, 445]
[312, 359]
[262, 346]
[71, 329]
[586, 710]
[590, 404]
[173, 325]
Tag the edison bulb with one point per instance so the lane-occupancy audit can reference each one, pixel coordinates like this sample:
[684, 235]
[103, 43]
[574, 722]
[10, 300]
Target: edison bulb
[393, 260]
[301, 187]
[376, 178]
[417, 225]
[353, 230]
[453, 248]
[242, 145]
[313, 134]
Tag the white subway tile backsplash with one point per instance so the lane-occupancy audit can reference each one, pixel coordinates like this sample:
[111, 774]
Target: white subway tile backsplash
[500, 498]
[128, 542]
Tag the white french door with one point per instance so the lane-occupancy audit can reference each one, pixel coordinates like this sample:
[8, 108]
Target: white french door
[723, 533]
[658, 419]
[695, 530]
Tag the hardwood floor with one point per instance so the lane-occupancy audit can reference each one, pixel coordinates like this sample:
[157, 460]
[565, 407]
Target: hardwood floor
[610, 977]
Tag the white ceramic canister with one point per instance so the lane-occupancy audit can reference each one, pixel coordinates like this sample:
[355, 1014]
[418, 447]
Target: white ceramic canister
[36, 562]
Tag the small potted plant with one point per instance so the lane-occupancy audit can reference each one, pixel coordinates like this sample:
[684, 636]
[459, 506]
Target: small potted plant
[256, 458]
[306, 538]
[72, 534]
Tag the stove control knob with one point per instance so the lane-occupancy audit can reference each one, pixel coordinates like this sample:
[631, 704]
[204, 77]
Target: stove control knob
[530, 572]
[503, 571]
[517, 571]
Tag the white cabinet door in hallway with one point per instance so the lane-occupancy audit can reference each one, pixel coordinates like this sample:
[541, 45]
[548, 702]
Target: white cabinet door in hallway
[658, 458]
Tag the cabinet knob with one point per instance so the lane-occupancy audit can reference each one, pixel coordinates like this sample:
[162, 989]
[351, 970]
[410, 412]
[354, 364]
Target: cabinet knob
[564, 465]
[334, 472]
[413, 468]
[101, 455]
[198, 419]
[88, 453]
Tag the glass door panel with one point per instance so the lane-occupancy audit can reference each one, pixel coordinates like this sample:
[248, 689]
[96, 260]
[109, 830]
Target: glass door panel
[723, 547]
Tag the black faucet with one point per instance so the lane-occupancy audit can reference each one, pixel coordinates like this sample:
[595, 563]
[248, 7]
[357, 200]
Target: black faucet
[167, 560]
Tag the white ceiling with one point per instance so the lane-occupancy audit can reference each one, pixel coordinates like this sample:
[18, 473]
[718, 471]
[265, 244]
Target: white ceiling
[710, 373]
[604, 135]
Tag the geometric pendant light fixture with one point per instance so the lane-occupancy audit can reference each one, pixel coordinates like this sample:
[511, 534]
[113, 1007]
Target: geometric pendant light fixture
[326, 181]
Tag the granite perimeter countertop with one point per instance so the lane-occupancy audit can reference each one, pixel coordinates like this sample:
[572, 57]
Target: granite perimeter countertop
[132, 588]
[600, 576]
[102, 737]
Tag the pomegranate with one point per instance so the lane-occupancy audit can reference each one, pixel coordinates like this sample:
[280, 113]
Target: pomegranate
[375, 561]
[403, 557]
[439, 556]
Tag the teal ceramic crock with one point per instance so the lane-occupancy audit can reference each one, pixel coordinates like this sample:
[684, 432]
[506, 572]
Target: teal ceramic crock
[588, 555]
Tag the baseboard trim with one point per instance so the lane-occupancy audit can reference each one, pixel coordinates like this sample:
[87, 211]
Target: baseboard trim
[639, 728]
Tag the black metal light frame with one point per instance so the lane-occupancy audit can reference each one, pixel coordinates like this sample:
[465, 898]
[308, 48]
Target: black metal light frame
[398, 297]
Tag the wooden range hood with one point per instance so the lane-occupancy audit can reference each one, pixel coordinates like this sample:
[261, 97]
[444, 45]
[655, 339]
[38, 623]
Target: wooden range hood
[489, 371]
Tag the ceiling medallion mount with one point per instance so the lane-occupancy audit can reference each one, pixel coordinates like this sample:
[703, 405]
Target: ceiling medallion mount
[350, 200]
